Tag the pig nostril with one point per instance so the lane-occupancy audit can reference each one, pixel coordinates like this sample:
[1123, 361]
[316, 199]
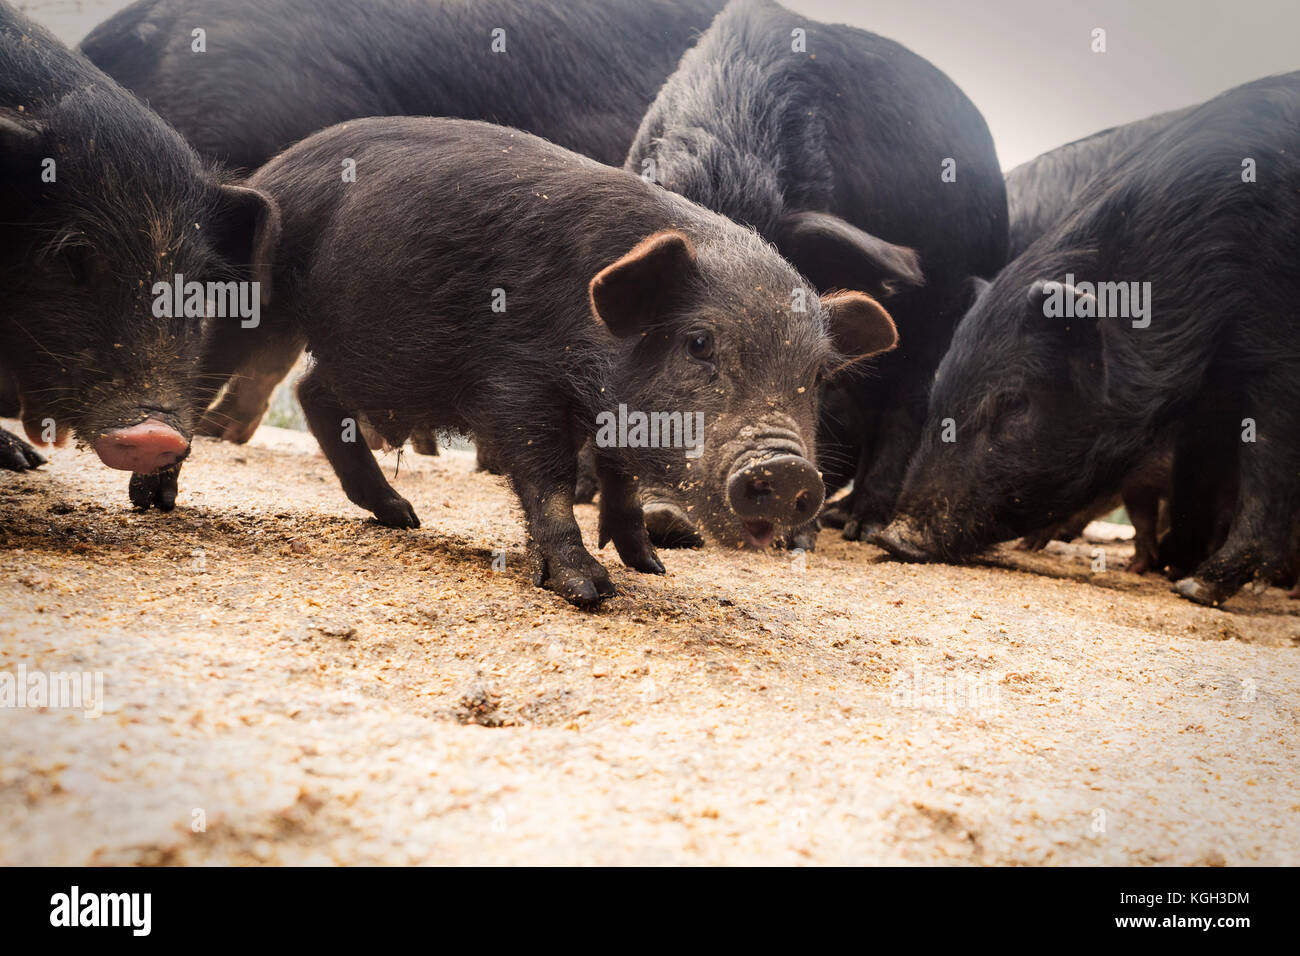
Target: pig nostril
[803, 502]
[758, 489]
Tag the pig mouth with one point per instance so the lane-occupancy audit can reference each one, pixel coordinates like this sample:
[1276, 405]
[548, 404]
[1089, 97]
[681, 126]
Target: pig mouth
[758, 534]
[904, 540]
[143, 448]
[907, 539]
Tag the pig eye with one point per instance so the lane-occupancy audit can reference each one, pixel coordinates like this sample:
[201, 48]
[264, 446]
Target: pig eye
[699, 346]
[1014, 403]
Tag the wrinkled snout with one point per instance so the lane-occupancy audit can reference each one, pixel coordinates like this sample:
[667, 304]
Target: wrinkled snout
[902, 539]
[782, 492]
[142, 448]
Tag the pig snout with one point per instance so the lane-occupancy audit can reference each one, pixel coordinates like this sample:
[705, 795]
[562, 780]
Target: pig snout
[783, 492]
[902, 539]
[142, 448]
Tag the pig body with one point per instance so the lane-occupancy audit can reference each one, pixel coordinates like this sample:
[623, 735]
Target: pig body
[580, 74]
[1051, 409]
[856, 157]
[101, 200]
[1046, 189]
[530, 294]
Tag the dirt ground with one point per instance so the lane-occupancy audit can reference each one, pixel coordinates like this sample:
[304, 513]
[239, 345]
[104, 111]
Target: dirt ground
[286, 682]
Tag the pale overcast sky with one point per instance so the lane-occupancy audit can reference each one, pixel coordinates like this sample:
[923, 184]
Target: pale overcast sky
[1027, 64]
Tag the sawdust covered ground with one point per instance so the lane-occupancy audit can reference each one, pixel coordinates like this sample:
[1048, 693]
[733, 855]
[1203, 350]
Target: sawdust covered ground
[285, 682]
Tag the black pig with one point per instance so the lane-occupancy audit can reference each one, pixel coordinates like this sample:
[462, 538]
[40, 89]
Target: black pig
[580, 74]
[101, 200]
[1048, 411]
[1046, 189]
[528, 295]
[838, 145]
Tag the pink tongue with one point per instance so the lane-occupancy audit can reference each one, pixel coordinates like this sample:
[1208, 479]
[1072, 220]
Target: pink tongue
[142, 448]
[758, 533]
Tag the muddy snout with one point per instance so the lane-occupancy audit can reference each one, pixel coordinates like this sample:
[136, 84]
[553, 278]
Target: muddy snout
[903, 540]
[142, 448]
[783, 492]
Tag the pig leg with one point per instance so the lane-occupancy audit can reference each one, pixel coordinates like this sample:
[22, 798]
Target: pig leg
[362, 479]
[561, 563]
[251, 362]
[584, 491]
[666, 521]
[485, 459]
[1142, 502]
[1257, 542]
[424, 441]
[374, 440]
[879, 481]
[621, 519]
[1200, 478]
[16, 454]
[804, 538]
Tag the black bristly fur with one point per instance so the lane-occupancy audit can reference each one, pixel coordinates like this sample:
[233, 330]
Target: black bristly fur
[857, 126]
[131, 204]
[442, 213]
[580, 74]
[1222, 346]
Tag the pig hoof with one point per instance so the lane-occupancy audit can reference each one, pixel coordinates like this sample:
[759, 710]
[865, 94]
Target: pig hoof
[17, 455]
[579, 587]
[1202, 592]
[157, 490]
[1034, 542]
[855, 530]
[642, 558]
[396, 512]
[834, 516]
[803, 539]
[633, 545]
[670, 528]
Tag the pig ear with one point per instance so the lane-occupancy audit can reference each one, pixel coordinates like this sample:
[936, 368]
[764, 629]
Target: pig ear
[248, 232]
[18, 139]
[836, 255]
[1045, 292]
[1091, 340]
[859, 325]
[20, 142]
[635, 292]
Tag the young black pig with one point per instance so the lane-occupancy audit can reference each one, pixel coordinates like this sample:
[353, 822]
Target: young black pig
[100, 200]
[867, 167]
[1163, 308]
[540, 299]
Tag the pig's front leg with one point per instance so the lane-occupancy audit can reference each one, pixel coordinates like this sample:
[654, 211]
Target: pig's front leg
[363, 481]
[621, 518]
[561, 563]
[16, 454]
